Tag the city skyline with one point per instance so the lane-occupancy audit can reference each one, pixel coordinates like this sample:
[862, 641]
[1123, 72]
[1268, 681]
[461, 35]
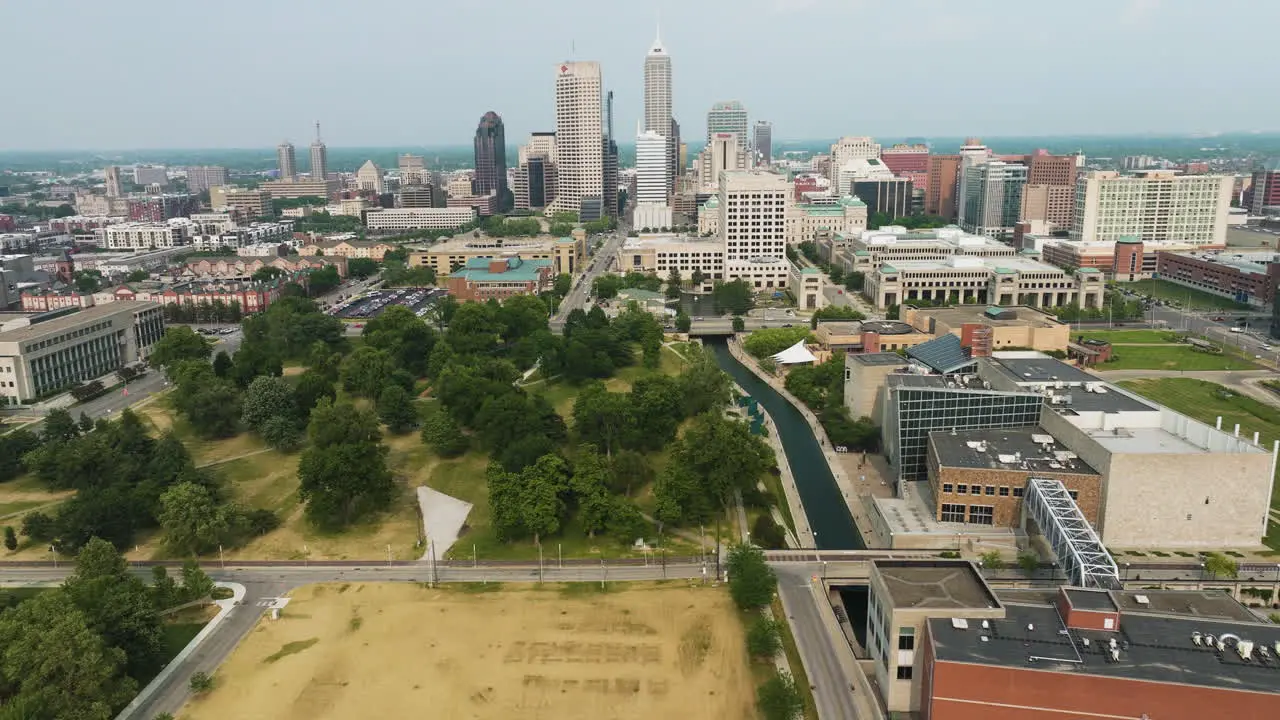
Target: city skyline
[1111, 89]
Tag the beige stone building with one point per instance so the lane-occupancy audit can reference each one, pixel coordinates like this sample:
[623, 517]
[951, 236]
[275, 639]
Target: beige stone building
[566, 254]
[808, 221]
[349, 249]
[1008, 327]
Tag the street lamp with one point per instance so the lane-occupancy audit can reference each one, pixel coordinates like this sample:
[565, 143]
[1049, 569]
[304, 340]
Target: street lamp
[1126, 572]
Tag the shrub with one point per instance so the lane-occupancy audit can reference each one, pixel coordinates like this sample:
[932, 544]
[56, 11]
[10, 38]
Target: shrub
[201, 683]
[764, 637]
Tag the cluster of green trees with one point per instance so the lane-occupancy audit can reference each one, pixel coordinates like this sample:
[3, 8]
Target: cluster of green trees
[752, 584]
[714, 458]
[499, 226]
[323, 222]
[821, 387]
[608, 285]
[735, 297]
[603, 225]
[877, 220]
[765, 342]
[216, 311]
[1115, 307]
[87, 281]
[82, 650]
[593, 347]
[834, 312]
[398, 274]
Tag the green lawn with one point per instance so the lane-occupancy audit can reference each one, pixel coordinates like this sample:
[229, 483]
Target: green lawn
[1205, 401]
[1170, 357]
[1187, 297]
[1144, 337]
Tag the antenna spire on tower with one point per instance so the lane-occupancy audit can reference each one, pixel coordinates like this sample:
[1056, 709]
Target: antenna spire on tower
[317, 132]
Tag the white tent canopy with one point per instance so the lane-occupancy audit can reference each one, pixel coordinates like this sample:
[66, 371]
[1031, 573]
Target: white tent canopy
[795, 354]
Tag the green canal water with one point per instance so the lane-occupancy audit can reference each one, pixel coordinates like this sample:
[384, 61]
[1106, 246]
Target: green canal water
[828, 512]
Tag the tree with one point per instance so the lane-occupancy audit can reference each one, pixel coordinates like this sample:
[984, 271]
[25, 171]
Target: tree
[322, 280]
[991, 560]
[200, 682]
[735, 297]
[1029, 562]
[54, 661]
[137, 276]
[164, 589]
[683, 322]
[751, 580]
[397, 410]
[270, 408]
[698, 277]
[656, 409]
[443, 435]
[193, 521]
[222, 364]
[38, 526]
[311, 388]
[1217, 564]
[59, 427]
[10, 538]
[673, 284]
[14, 445]
[361, 267]
[196, 583]
[835, 312]
[779, 698]
[767, 533]
[603, 418]
[606, 286]
[87, 281]
[366, 371]
[343, 472]
[739, 324]
[764, 637]
[765, 342]
[590, 485]
[118, 606]
[179, 343]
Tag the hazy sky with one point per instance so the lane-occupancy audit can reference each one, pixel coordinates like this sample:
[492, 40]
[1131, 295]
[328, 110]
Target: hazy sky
[250, 73]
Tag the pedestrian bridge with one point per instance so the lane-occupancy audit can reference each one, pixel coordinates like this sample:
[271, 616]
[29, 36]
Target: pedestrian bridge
[1074, 541]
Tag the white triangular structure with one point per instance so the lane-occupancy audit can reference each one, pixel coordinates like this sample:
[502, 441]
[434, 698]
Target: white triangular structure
[795, 354]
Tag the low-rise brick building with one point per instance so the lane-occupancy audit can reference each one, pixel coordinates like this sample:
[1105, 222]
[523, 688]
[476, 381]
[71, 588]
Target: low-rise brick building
[499, 278]
[978, 476]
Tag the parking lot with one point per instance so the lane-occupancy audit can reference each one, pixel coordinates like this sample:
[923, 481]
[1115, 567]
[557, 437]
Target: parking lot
[374, 302]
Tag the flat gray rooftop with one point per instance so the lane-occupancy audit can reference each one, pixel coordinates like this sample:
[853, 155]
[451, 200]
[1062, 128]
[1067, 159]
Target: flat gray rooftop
[1082, 599]
[954, 584]
[943, 382]
[1046, 369]
[1209, 604]
[1006, 449]
[1152, 647]
[74, 320]
[1111, 401]
[879, 358]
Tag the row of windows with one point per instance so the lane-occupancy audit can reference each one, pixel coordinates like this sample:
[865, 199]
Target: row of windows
[978, 514]
[59, 339]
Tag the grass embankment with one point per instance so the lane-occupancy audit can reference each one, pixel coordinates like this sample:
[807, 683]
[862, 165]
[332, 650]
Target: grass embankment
[1171, 357]
[1206, 401]
[1129, 337]
[1186, 297]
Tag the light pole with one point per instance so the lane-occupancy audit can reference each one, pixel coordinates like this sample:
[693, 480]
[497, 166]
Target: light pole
[824, 571]
[1126, 572]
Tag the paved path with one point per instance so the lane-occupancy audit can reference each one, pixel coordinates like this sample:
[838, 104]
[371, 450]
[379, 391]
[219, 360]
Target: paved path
[442, 519]
[233, 458]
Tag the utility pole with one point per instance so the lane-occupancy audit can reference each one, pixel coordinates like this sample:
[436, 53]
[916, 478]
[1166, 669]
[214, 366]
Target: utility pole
[435, 573]
[539, 562]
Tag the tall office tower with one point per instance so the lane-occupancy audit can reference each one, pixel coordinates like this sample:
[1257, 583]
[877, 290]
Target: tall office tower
[728, 117]
[1265, 190]
[1050, 197]
[1152, 205]
[657, 101]
[851, 148]
[145, 175]
[112, 174]
[651, 168]
[203, 177]
[413, 170]
[369, 177]
[287, 161]
[579, 136]
[762, 143]
[675, 150]
[319, 158]
[992, 200]
[940, 190]
[753, 216]
[609, 180]
[491, 160]
[973, 152]
[722, 153]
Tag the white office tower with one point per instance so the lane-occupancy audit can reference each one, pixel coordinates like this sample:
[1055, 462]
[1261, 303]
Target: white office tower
[657, 102]
[728, 117]
[579, 135]
[652, 170]
[992, 201]
[724, 151]
[753, 222]
[369, 177]
[972, 153]
[851, 148]
[112, 176]
[287, 161]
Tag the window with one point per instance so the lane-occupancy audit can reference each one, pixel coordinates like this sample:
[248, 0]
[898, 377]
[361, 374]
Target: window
[904, 672]
[952, 513]
[1074, 495]
[1017, 492]
[946, 487]
[962, 489]
[991, 489]
[906, 638]
[982, 514]
[1004, 491]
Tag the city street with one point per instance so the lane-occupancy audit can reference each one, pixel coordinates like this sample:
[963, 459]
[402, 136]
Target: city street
[597, 265]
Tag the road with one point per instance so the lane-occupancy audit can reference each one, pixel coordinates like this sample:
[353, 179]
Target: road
[833, 693]
[599, 263]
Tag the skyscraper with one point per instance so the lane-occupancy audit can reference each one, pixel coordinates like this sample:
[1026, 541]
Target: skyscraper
[287, 161]
[676, 148]
[762, 143]
[319, 158]
[579, 135]
[609, 181]
[413, 170]
[728, 117]
[992, 200]
[112, 175]
[203, 177]
[369, 177]
[651, 168]
[491, 160]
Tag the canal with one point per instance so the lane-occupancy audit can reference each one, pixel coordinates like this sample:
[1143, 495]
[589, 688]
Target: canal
[828, 513]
